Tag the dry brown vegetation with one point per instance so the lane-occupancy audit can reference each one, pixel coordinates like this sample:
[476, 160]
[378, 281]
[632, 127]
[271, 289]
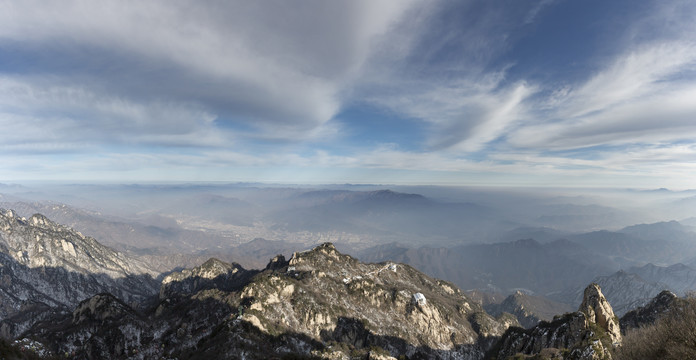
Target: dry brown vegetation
[671, 337]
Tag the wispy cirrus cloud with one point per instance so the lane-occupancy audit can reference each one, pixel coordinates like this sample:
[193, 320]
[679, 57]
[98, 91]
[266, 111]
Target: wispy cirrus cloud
[41, 114]
[642, 96]
[222, 88]
[266, 66]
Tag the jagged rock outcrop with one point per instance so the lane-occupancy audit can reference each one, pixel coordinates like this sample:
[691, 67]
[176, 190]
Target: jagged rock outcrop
[211, 274]
[39, 242]
[648, 314]
[589, 333]
[102, 327]
[328, 296]
[47, 269]
[625, 291]
[319, 303]
[599, 311]
[528, 309]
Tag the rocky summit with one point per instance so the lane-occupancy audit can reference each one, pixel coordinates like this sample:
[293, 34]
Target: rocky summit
[333, 297]
[648, 314]
[69, 296]
[319, 303]
[589, 333]
[599, 312]
[47, 269]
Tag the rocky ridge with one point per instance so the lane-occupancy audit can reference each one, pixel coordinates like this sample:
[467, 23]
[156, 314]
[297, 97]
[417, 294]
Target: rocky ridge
[626, 290]
[323, 288]
[589, 333]
[318, 303]
[648, 314]
[39, 242]
[47, 269]
[528, 309]
[213, 274]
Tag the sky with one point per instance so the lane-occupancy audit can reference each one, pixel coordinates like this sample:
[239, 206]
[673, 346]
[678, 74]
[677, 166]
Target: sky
[511, 93]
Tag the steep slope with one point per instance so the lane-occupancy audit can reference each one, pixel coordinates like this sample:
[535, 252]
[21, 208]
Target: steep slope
[141, 236]
[47, 268]
[319, 303]
[648, 314]
[636, 286]
[626, 290]
[589, 333]
[528, 309]
[39, 242]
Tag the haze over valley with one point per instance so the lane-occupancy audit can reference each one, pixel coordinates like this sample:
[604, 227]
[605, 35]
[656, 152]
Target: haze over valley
[348, 179]
[543, 242]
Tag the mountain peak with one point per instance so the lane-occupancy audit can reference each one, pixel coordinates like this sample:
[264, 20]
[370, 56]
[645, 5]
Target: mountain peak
[213, 273]
[8, 213]
[576, 332]
[648, 314]
[101, 307]
[326, 247]
[323, 250]
[331, 296]
[40, 221]
[599, 311]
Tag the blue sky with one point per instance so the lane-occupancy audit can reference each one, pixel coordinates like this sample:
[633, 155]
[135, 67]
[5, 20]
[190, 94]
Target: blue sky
[519, 93]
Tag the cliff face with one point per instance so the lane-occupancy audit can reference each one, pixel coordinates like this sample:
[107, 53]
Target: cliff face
[599, 312]
[319, 303]
[39, 242]
[213, 274]
[47, 269]
[589, 333]
[322, 291]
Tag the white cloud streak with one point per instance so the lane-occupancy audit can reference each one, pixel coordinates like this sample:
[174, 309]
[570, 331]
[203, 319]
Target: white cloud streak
[177, 74]
[42, 114]
[641, 97]
[271, 62]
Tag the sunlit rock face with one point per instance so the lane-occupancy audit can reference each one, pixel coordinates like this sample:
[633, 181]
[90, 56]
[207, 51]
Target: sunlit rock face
[47, 269]
[599, 311]
[39, 242]
[331, 296]
[318, 303]
[589, 333]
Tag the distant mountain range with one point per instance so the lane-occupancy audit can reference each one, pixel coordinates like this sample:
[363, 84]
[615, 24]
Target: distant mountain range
[638, 285]
[318, 302]
[211, 218]
[558, 268]
[65, 294]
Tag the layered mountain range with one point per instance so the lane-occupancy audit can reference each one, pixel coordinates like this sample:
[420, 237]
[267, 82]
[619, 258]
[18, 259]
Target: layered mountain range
[319, 303]
[68, 295]
[633, 264]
